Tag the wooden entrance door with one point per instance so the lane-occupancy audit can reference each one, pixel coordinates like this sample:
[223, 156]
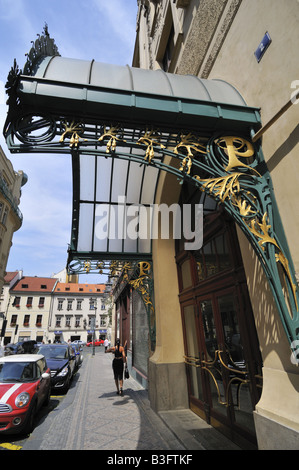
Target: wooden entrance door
[222, 354]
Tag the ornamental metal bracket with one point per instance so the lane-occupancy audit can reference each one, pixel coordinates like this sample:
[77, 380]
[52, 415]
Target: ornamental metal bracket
[137, 274]
[203, 143]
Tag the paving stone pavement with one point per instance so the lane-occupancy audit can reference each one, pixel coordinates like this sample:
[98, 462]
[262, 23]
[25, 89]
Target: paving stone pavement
[93, 417]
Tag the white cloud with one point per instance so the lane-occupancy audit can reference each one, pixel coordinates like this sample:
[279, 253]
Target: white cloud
[119, 15]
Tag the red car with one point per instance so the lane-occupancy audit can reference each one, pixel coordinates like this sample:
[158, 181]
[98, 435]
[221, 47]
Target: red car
[98, 342]
[24, 386]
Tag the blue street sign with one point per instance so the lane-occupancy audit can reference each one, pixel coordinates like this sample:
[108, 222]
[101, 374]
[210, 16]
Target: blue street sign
[263, 45]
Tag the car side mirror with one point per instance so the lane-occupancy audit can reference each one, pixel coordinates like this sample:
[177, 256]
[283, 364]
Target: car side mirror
[45, 375]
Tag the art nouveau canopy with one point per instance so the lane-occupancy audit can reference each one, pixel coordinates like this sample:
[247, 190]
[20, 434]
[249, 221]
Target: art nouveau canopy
[122, 127]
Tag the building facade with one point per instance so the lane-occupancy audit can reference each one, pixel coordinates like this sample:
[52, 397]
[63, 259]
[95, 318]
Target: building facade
[45, 309]
[78, 310]
[218, 302]
[11, 218]
[29, 309]
[10, 280]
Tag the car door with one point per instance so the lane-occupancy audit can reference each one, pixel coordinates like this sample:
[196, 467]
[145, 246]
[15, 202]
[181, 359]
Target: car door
[43, 383]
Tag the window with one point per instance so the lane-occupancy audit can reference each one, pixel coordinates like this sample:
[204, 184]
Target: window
[60, 302]
[5, 215]
[43, 286]
[103, 321]
[41, 365]
[68, 320]
[16, 302]
[26, 320]
[29, 302]
[41, 302]
[213, 257]
[92, 305]
[39, 320]
[58, 321]
[77, 322]
[14, 319]
[79, 304]
[168, 51]
[69, 305]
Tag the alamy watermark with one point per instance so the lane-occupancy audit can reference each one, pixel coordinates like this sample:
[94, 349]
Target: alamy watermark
[155, 221]
[295, 352]
[294, 98]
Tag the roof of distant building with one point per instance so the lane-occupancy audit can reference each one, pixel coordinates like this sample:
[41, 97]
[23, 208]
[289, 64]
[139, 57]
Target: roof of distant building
[75, 288]
[9, 276]
[34, 284]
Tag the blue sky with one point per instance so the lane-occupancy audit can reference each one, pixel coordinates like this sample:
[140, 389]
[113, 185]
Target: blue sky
[94, 29]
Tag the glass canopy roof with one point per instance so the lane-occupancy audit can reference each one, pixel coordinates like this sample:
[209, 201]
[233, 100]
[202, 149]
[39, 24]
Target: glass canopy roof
[120, 125]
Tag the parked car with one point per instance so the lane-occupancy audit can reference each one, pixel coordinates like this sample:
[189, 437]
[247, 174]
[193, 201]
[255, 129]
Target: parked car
[25, 384]
[98, 342]
[78, 354]
[79, 342]
[62, 361]
[21, 347]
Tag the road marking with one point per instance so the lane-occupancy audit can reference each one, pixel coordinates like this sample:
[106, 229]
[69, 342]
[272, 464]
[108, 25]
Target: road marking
[9, 446]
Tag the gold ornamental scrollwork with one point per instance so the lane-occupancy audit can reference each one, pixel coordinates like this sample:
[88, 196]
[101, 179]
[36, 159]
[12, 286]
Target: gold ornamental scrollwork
[231, 368]
[193, 146]
[228, 187]
[235, 147]
[112, 134]
[73, 131]
[150, 139]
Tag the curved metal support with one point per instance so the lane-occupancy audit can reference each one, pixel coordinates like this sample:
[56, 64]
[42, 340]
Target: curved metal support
[229, 168]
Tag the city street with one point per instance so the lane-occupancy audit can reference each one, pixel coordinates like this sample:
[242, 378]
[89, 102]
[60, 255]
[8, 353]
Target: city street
[91, 416]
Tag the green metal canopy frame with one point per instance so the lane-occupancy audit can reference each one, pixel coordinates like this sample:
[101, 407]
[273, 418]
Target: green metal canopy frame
[63, 106]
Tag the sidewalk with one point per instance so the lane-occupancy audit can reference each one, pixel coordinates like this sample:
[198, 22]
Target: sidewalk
[93, 417]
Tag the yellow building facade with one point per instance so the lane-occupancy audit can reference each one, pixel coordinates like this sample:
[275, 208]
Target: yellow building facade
[251, 45]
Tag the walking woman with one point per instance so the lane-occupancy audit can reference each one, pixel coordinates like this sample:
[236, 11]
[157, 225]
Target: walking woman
[118, 365]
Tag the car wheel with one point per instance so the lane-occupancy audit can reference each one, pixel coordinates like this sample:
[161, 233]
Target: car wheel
[30, 420]
[67, 384]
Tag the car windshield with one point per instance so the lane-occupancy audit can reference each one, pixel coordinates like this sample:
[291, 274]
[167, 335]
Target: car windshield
[54, 352]
[17, 372]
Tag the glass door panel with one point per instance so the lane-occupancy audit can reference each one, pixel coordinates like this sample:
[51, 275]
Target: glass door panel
[211, 364]
[238, 389]
[192, 352]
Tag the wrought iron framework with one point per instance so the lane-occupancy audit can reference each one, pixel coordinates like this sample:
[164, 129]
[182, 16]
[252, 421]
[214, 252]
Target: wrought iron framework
[220, 160]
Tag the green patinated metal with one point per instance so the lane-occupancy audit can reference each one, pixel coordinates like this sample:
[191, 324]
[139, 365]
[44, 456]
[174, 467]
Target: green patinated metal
[209, 142]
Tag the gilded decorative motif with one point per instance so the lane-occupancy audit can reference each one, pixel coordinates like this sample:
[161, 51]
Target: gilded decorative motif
[192, 145]
[217, 373]
[150, 139]
[236, 147]
[111, 134]
[73, 130]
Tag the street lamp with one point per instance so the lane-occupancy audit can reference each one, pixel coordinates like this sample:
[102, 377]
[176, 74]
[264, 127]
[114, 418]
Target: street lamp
[93, 306]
